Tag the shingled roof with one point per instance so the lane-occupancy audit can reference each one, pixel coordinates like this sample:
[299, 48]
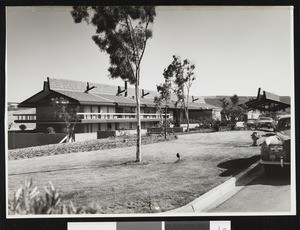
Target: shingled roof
[85, 98]
[101, 94]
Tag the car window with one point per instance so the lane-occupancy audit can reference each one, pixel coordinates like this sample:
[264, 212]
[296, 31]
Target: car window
[265, 119]
[284, 124]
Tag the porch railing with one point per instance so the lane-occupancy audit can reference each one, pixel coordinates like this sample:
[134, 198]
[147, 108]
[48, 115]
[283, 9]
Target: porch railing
[100, 116]
[97, 116]
[25, 117]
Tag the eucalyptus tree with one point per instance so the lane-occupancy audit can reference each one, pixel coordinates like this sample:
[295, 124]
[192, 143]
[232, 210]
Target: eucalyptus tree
[122, 32]
[66, 111]
[163, 100]
[184, 77]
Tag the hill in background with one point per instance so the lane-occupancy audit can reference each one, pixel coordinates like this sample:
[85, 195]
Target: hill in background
[215, 100]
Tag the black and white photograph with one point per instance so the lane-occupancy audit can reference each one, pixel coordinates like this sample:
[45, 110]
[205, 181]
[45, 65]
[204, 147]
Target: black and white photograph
[150, 111]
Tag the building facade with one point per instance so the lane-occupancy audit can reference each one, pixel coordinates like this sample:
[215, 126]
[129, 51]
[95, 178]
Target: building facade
[102, 107]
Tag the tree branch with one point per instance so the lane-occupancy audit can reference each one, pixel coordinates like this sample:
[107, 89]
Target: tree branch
[125, 51]
[145, 42]
[130, 29]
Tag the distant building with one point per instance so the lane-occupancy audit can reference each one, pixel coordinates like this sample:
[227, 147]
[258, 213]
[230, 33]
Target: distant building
[103, 107]
[267, 102]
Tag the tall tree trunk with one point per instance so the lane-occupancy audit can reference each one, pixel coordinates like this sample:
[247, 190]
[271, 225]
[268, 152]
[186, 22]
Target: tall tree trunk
[165, 122]
[186, 108]
[187, 119]
[138, 127]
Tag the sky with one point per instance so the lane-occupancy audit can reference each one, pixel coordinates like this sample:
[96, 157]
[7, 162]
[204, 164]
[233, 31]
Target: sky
[235, 50]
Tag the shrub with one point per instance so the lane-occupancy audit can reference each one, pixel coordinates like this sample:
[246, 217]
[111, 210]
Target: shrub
[29, 201]
[10, 125]
[50, 130]
[206, 123]
[161, 124]
[216, 125]
[22, 127]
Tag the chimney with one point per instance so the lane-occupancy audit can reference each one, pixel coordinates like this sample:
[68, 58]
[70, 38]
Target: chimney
[194, 99]
[125, 82]
[46, 86]
[144, 94]
[88, 88]
[258, 94]
[120, 90]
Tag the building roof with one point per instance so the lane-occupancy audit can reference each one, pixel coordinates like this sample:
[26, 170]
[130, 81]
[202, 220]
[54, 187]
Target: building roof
[80, 86]
[99, 94]
[267, 101]
[121, 100]
[84, 98]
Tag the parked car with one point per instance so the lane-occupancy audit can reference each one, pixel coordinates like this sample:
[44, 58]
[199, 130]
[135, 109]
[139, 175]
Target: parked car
[240, 125]
[251, 123]
[265, 122]
[276, 149]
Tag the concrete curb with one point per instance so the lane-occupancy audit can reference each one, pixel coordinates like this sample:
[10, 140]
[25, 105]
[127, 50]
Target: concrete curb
[221, 193]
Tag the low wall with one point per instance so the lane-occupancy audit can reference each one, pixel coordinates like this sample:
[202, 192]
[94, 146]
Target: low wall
[191, 126]
[85, 136]
[23, 140]
[129, 132]
[169, 130]
[117, 133]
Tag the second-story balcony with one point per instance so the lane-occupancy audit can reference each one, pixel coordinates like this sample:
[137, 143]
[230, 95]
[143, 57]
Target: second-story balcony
[119, 117]
[25, 118]
[95, 118]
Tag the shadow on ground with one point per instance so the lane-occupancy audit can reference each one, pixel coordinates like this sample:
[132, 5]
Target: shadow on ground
[233, 167]
[279, 177]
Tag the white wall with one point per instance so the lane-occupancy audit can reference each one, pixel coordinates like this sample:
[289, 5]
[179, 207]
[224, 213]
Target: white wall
[85, 136]
[95, 109]
[253, 114]
[124, 125]
[87, 109]
[111, 109]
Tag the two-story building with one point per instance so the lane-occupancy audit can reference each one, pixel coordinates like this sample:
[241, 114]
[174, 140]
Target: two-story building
[102, 107]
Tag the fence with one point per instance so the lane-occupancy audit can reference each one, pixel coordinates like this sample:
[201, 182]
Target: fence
[23, 140]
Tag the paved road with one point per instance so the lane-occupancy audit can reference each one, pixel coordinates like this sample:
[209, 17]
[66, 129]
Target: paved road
[264, 194]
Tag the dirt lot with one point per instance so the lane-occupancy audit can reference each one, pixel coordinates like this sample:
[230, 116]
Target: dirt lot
[116, 184]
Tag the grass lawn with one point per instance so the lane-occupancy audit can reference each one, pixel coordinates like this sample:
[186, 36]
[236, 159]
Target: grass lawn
[116, 184]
